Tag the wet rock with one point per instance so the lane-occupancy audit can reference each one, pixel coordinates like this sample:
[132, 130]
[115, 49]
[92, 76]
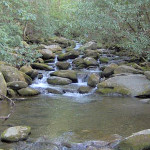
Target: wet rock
[93, 54]
[49, 60]
[89, 61]
[104, 60]
[11, 73]
[147, 74]
[69, 55]
[15, 134]
[47, 54]
[11, 93]
[3, 85]
[40, 76]
[79, 63]
[84, 89]
[126, 69]
[54, 91]
[58, 81]
[28, 92]
[90, 45]
[63, 65]
[41, 66]
[70, 74]
[17, 85]
[109, 70]
[137, 141]
[128, 84]
[93, 80]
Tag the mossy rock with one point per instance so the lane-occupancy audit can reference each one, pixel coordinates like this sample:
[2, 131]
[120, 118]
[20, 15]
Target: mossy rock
[91, 53]
[63, 65]
[17, 85]
[90, 45]
[11, 73]
[84, 89]
[70, 74]
[28, 79]
[26, 69]
[11, 93]
[58, 81]
[93, 80]
[3, 85]
[41, 66]
[15, 134]
[89, 61]
[54, 91]
[104, 60]
[137, 141]
[79, 63]
[47, 54]
[28, 92]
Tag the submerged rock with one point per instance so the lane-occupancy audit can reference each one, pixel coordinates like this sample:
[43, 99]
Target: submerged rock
[129, 84]
[63, 65]
[137, 141]
[15, 134]
[28, 92]
[58, 81]
[93, 80]
[70, 74]
[41, 66]
[17, 85]
[54, 91]
[3, 85]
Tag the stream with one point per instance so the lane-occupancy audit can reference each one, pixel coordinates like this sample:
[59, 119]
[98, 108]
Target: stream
[75, 117]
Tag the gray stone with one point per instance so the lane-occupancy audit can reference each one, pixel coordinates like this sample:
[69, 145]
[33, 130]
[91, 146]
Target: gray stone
[58, 81]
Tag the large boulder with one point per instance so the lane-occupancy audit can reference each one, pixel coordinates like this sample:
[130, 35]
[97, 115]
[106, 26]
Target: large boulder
[15, 134]
[69, 55]
[58, 81]
[54, 48]
[28, 92]
[79, 63]
[63, 65]
[70, 74]
[126, 69]
[147, 74]
[41, 66]
[90, 53]
[137, 141]
[128, 84]
[11, 73]
[3, 85]
[47, 54]
[93, 80]
[90, 45]
[109, 70]
[17, 85]
[89, 61]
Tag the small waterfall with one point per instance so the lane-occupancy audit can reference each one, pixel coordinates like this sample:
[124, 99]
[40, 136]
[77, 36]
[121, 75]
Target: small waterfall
[56, 60]
[82, 78]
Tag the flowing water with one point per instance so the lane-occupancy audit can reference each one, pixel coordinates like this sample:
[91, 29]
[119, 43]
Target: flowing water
[76, 117]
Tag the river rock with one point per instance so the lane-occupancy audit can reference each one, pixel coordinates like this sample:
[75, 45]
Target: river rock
[79, 63]
[93, 80]
[41, 66]
[54, 48]
[137, 141]
[54, 91]
[17, 85]
[63, 65]
[89, 61]
[104, 60]
[70, 74]
[128, 84]
[90, 45]
[58, 81]
[69, 55]
[3, 85]
[27, 78]
[109, 70]
[84, 89]
[147, 74]
[47, 54]
[126, 69]
[15, 134]
[90, 53]
[28, 92]
[11, 92]
[11, 73]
